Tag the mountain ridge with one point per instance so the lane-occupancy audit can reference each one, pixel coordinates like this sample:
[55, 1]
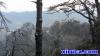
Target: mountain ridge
[19, 18]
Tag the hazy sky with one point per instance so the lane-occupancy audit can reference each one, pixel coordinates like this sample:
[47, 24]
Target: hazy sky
[26, 5]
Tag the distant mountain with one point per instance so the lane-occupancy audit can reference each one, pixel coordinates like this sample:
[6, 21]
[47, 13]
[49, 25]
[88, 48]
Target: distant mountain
[19, 18]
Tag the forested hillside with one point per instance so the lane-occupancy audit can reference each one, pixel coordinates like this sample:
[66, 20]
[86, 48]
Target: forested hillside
[69, 34]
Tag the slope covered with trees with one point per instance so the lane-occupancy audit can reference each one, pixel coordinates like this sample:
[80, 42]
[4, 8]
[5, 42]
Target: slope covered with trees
[61, 35]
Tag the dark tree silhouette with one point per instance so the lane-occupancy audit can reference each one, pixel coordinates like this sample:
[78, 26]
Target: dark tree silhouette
[87, 9]
[38, 33]
[97, 24]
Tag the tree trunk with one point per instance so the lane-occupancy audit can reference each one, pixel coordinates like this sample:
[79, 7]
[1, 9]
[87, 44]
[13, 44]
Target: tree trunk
[38, 33]
[92, 31]
[97, 26]
[14, 43]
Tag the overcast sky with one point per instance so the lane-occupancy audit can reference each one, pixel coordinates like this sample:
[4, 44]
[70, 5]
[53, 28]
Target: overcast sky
[26, 5]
